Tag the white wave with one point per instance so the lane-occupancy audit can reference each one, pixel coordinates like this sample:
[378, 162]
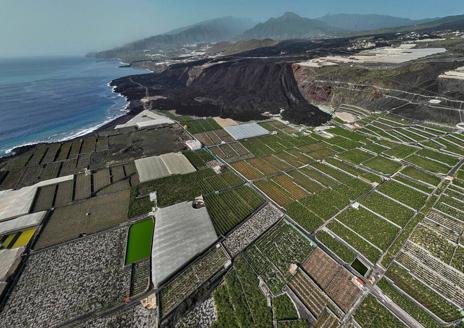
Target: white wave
[56, 138]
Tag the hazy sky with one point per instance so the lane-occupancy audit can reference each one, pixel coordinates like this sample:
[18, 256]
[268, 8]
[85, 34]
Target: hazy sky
[59, 27]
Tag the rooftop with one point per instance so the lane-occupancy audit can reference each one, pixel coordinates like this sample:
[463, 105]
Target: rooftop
[181, 233]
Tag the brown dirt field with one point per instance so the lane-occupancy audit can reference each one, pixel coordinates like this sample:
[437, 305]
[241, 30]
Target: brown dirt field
[321, 267]
[343, 291]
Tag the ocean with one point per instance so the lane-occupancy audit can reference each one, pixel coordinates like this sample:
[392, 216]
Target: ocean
[52, 99]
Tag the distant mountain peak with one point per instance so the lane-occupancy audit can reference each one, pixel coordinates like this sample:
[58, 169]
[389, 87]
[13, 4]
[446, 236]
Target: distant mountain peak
[290, 14]
[290, 26]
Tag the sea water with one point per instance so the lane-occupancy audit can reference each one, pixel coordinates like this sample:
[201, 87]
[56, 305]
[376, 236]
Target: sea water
[52, 99]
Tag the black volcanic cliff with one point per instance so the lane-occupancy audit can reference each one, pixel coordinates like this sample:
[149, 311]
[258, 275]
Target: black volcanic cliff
[242, 89]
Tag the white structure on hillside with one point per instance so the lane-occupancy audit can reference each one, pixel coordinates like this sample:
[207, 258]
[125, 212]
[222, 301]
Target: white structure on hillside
[156, 167]
[247, 130]
[181, 233]
[144, 119]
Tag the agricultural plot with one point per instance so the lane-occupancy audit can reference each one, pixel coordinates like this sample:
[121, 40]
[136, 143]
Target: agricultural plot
[191, 278]
[355, 156]
[330, 201]
[248, 171]
[239, 300]
[387, 208]
[273, 253]
[347, 134]
[278, 163]
[287, 183]
[44, 198]
[263, 166]
[374, 146]
[409, 306]
[434, 243]
[305, 182]
[335, 280]
[313, 298]
[342, 290]
[273, 191]
[438, 156]
[362, 246]
[315, 175]
[418, 185]
[257, 147]
[86, 217]
[198, 158]
[450, 146]
[322, 204]
[401, 151]
[229, 208]
[449, 227]
[51, 171]
[227, 179]
[231, 152]
[321, 154]
[283, 308]
[372, 314]
[428, 165]
[304, 217]
[334, 173]
[436, 274]
[383, 165]
[282, 142]
[139, 241]
[340, 249]
[321, 267]
[83, 188]
[292, 160]
[98, 280]
[251, 229]
[202, 125]
[101, 179]
[374, 229]
[423, 293]
[342, 143]
[214, 137]
[356, 171]
[95, 152]
[403, 194]
[327, 320]
[420, 175]
[298, 156]
[173, 189]
[105, 181]
[273, 125]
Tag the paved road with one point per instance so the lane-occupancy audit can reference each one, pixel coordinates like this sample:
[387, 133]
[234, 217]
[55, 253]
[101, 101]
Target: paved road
[456, 168]
[133, 302]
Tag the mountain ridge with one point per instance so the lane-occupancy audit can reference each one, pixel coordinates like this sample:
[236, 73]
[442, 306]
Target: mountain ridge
[290, 26]
[213, 30]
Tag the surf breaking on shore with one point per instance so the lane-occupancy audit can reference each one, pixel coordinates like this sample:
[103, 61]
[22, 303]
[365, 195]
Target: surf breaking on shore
[116, 108]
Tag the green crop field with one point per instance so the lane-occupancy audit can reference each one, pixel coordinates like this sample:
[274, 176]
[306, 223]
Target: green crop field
[383, 165]
[139, 241]
[374, 229]
[373, 314]
[356, 156]
[198, 126]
